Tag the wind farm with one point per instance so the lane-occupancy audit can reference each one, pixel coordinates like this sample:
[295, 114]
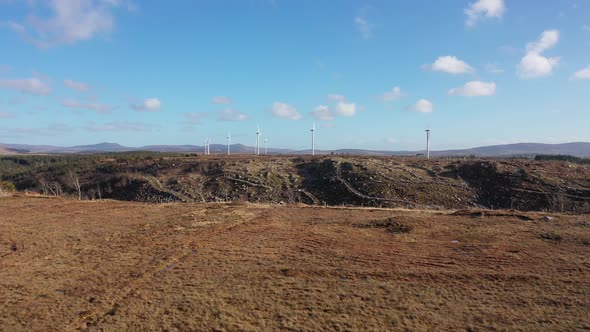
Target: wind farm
[312, 150]
[313, 139]
[428, 143]
[258, 140]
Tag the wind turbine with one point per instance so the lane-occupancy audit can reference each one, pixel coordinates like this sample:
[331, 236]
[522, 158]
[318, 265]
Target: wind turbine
[265, 144]
[313, 140]
[258, 140]
[228, 142]
[206, 146]
[428, 143]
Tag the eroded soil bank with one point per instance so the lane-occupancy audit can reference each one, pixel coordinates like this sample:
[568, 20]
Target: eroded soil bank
[519, 184]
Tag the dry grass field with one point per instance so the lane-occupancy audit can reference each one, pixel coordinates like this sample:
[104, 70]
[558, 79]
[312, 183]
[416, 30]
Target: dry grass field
[116, 266]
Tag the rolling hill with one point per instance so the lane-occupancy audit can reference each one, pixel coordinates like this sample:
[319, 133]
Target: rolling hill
[9, 151]
[579, 149]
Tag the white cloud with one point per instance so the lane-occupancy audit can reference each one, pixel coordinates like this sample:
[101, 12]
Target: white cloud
[221, 100]
[474, 89]
[534, 64]
[582, 74]
[232, 115]
[323, 112]
[194, 118]
[78, 86]
[34, 86]
[148, 105]
[54, 129]
[340, 108]
[364, 26]
[391, 140]
[493, 68]
[484, 8]
[285, 111]
[547, 40]
[16, 27]
[421, 106]
[393, 95]
[346, 109]
[450, 64]
[69, 21]
[120, 126]
[336, 97]
[100, 108]
[509, 50]
[130, 5]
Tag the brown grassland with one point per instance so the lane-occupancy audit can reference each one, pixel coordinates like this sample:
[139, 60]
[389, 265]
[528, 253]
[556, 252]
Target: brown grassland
[116, 266]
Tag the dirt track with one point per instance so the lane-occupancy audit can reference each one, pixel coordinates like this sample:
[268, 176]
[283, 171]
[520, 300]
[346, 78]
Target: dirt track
[68, 265]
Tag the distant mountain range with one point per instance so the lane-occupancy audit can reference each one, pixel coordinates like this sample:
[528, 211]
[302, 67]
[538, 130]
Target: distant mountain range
[7, 151]
[579, 149]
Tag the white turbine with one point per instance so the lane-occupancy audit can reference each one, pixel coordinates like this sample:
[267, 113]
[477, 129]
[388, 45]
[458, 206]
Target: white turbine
[313, 140]
[228, 142]
[428, 143]
[257, 140]
[265, 144]
[206, 146]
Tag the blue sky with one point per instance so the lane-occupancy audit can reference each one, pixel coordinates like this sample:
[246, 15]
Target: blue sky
[371, 74]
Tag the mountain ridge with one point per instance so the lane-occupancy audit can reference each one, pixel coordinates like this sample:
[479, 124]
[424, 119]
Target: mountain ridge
[579, 149]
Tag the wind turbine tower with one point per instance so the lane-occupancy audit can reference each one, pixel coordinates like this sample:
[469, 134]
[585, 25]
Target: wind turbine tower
[313, 140]
[205, 147]
[257, 140]
[265, 145]
[428, 143]
[228, 142]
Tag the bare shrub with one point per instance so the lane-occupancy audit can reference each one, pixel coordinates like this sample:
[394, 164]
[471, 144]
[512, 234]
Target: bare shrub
[6, 188]
[74, 181]
[392, 225]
